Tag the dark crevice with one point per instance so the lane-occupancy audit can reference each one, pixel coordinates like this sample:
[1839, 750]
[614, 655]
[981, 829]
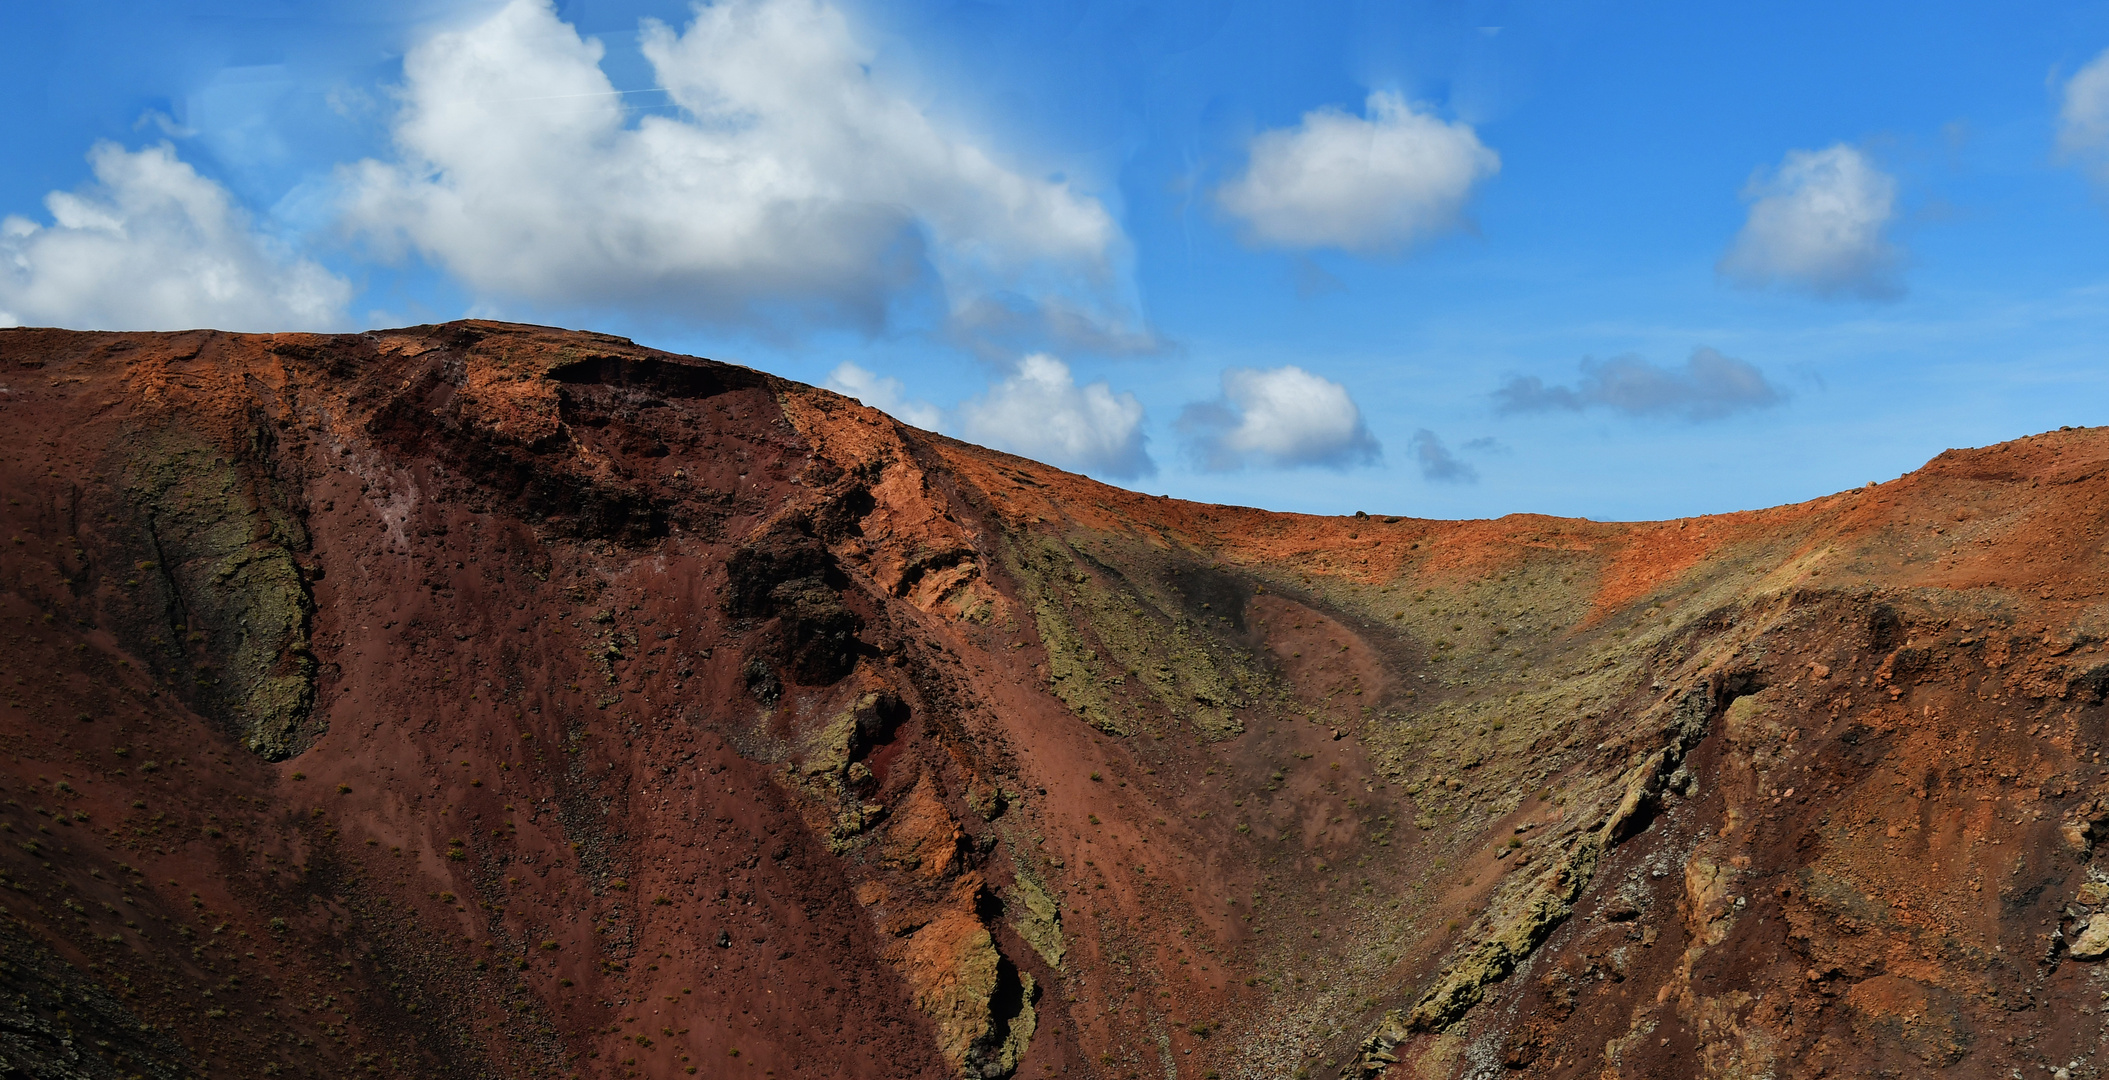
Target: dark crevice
[663, 377]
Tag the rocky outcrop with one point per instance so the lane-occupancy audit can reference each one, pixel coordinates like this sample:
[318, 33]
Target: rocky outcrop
[212, 591]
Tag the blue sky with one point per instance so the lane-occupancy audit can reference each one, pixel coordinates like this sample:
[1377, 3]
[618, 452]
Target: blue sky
[1448, 260]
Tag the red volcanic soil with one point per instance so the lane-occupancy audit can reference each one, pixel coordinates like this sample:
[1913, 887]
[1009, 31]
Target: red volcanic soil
[507, 701]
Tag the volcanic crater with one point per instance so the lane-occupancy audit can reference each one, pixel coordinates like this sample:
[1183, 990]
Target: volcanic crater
[500, 701]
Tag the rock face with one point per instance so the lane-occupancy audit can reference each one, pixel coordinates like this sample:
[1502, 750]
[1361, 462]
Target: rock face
[502, 701]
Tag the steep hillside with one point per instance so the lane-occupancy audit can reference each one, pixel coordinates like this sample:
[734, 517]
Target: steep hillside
[490, 700]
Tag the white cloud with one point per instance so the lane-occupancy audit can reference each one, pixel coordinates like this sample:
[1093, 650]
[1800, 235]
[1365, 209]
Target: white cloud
[2083, 119]
[1817, 224]
[1374, 183]
[151, 245]
[884, 393]
[792, 185]
[1041, 413]
[1278, 417]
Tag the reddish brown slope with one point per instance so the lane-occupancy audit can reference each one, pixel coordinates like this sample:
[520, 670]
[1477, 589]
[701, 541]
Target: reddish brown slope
[500, 699]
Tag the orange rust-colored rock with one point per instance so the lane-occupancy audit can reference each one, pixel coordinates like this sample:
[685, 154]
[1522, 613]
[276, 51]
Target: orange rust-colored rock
[507, 701]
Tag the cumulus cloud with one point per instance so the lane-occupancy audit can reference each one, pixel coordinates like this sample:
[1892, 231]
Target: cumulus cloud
[884, 393]
[1279, 417]
[1040, 412]
[2083, 117]
[1370, 184]
[1438, 463]
[151, 245]
[792, 185]
[1707, 387]
[1818, 224]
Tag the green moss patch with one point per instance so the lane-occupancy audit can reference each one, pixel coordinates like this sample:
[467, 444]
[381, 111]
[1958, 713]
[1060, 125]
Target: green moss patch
[1103, 630]
[232, 601]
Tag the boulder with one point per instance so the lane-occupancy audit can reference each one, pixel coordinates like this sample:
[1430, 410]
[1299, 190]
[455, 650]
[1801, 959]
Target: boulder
[2092, 942]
